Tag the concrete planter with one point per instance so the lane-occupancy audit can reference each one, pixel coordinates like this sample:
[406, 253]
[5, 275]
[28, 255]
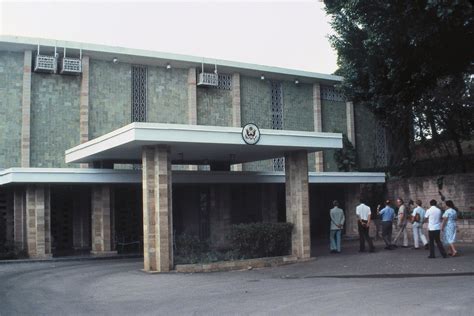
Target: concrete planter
[237, 264]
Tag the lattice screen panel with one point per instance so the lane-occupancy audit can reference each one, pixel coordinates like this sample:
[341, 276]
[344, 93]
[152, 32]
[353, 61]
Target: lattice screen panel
[139, 93]
[330, 93]
[380, 145]
[277, 119]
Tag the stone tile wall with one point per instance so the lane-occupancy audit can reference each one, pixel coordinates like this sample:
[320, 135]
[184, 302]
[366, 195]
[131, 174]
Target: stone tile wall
[109, 96]
[11, 87]
[167, 95]
[54, 118]
[334, 121]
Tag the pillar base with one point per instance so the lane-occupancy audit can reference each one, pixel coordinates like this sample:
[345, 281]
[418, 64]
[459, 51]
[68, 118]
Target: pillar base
[103, 253]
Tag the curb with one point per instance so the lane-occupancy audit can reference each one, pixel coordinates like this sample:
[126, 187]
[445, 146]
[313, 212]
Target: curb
[62, 259]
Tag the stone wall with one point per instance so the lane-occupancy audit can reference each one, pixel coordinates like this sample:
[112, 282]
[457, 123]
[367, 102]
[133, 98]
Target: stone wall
[298, 111]
[365, 127]
[11, 87]
[256, 107]
[334, 121]
[214, 107]
[457, 187]
[110, 97]
[54, 118]
[167, 95]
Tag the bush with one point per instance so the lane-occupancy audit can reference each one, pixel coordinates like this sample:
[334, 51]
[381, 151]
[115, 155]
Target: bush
[257, 240]
[190, 249]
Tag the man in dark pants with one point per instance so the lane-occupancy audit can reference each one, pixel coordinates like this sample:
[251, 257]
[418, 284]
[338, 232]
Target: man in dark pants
[363, 224]
[433, 214]
[387, 214]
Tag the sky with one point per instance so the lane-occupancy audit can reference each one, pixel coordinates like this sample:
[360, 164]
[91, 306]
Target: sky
[288, 34]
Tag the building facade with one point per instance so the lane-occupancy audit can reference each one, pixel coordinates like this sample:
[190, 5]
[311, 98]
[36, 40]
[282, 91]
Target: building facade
[57, 95]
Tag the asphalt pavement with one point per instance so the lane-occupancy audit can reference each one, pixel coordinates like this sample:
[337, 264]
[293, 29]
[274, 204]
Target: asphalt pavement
[402, 281]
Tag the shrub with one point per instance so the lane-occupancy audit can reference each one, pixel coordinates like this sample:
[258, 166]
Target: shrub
[257, 240]
[190, 249]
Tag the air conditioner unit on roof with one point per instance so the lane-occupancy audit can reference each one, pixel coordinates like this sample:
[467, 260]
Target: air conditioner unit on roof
[208, 79]
[46, 63]
[71, 66]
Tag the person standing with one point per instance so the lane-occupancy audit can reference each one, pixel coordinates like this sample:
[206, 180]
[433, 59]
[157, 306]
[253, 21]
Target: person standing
[402, 223]
[387, 214]
[418, 216]
[337, 223]
[363, 223]
[448, 227]
[433, 215]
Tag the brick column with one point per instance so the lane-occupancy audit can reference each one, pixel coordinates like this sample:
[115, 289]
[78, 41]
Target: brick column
[102, 220]
[192, 97]
[219, 214]
[38, 216]
[26, 111]
[192, 103]
[352, 194]
[19, 218]
[318, 124]
[297, 202]
[84, 105]
[81, 223]
[350, 123]
[157, 209]
[236, 117]
[269, 196]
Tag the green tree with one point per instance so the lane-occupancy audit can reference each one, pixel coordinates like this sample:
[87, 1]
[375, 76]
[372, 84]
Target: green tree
[408, 61]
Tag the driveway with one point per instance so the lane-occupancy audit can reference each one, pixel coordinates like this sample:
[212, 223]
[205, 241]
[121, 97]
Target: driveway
[396, 282]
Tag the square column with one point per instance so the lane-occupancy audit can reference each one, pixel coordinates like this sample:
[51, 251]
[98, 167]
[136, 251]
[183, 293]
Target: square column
[318, 124]
[157, 209]
[102, 220]
[236, 112]
[26, 110]
[81, 223]
[219, 214]
[350, 123]
[38, 217]
[19, 219]
[297, 202]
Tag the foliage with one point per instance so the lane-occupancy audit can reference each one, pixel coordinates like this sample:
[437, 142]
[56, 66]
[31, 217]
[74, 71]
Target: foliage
[409, 62]
[346, 156]
[256, 240]
[10, 251]
[190, 249]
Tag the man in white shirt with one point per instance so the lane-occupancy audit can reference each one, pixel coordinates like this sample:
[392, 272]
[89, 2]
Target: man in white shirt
[363, 224]
[433, 215]
[418, 217]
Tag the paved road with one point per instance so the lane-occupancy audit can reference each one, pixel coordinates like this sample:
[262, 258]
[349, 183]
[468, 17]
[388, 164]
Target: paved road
[330, 284]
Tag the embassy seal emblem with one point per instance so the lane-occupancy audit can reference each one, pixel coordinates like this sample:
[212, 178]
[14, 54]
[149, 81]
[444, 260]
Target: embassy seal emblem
[250, 134]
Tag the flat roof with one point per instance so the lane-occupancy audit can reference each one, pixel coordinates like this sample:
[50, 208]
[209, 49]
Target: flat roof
[114, 176]
[198, 144]
[147, 57]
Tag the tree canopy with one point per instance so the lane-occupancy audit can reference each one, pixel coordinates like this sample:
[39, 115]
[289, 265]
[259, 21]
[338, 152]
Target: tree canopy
[411, 62]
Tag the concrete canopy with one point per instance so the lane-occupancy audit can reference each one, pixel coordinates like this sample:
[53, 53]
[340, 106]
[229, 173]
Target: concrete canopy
[198, 144]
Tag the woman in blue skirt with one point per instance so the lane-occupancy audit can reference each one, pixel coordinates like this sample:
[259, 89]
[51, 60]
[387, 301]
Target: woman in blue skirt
[448, 227]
